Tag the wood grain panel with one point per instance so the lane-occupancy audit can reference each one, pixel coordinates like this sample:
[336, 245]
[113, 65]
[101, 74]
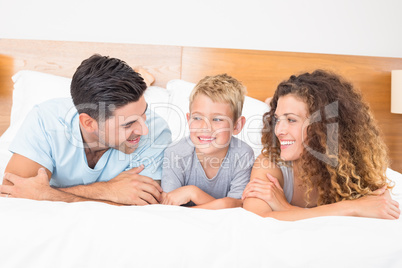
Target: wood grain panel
[261, 71]
[62, 58]
[6, 87]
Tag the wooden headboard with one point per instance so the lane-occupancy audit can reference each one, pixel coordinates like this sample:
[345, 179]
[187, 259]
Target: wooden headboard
[260, 71]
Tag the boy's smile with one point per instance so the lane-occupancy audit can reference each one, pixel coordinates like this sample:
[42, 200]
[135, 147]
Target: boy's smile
[211, 125]
[206, 139]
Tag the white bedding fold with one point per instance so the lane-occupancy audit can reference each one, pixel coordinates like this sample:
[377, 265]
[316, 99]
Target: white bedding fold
[90, 234]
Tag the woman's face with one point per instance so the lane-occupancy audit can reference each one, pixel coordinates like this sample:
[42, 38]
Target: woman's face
[291, 126]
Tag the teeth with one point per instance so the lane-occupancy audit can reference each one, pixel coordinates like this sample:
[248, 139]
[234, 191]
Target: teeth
[205, 139]
[287, 142]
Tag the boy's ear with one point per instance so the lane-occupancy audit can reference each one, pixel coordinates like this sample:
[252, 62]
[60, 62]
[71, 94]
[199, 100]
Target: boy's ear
[188, 117]
[239, 124]
[88, 123]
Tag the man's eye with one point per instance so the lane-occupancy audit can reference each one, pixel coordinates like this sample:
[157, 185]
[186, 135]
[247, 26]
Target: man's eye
[128, 125]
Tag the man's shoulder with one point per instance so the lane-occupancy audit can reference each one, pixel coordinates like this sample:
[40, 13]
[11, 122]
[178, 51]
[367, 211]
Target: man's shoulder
[56, 104]
[55, 108]
[157, 126]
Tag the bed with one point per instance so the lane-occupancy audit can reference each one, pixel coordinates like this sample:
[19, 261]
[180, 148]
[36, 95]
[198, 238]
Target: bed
[92, 234]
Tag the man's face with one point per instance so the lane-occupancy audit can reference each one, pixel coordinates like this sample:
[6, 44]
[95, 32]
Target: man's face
[123, 130]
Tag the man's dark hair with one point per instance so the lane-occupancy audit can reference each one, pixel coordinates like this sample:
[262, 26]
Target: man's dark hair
[102, 84]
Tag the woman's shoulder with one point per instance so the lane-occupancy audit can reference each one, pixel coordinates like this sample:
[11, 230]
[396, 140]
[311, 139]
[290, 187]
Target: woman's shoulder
[264, 165]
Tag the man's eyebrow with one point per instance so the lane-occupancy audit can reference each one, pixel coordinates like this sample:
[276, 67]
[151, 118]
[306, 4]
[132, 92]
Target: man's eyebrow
[146, 108]
[131, 122]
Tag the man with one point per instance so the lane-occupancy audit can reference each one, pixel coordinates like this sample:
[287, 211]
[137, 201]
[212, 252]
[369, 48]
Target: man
[104, 144]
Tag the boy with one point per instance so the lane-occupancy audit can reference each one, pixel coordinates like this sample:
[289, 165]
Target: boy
[210, 168]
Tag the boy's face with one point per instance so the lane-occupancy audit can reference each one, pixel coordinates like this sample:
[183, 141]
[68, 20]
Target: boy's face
[123, 130]
[211, 125]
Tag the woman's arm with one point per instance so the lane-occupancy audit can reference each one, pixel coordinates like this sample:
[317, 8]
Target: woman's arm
[380, 205]
[253, 196]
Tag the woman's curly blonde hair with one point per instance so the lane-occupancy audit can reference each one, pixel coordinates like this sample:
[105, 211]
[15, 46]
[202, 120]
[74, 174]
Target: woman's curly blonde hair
[344, 157]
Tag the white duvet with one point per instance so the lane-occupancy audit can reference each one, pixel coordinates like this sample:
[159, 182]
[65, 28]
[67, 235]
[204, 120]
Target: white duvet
[90, 234]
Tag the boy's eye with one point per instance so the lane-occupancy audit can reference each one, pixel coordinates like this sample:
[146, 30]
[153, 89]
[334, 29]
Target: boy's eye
[217, 119]
[196, 118]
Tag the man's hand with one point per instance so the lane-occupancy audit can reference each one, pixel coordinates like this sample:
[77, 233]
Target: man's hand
[36, 188]
[130, 188]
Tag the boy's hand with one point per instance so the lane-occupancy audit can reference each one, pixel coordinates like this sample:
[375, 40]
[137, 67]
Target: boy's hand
[178, 197]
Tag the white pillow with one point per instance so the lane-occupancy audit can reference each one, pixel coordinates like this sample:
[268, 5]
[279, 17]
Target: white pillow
[253, 109]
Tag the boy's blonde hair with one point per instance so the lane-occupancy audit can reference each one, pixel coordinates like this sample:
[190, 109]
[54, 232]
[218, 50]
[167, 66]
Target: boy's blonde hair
[222, 88]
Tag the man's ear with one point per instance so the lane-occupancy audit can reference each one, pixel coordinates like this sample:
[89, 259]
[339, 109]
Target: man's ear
[238, 126]
[88, 123]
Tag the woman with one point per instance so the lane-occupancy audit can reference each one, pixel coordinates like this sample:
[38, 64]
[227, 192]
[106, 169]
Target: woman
[322, 151]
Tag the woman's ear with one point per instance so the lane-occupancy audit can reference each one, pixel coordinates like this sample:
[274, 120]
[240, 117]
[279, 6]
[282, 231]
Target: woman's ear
[88, 123]
[238, 126]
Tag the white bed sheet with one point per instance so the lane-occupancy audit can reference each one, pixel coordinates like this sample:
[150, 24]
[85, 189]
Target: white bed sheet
[90, 234]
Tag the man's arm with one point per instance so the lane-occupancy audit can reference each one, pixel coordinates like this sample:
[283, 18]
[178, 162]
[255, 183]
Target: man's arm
[23, 167]
[37, 188]
[127, 188]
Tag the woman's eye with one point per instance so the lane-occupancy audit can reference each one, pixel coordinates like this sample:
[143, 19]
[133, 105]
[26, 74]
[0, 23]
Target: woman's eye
[291, 120]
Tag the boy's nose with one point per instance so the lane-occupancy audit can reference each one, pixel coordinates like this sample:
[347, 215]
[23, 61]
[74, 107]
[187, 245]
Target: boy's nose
[205, 124]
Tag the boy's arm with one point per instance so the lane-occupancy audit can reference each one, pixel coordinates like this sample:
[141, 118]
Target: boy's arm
[185, 194]
[226, 202]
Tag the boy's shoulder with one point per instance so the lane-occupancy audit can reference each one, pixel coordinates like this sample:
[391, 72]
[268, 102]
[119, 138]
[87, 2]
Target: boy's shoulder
[237, 145]
[182, 148]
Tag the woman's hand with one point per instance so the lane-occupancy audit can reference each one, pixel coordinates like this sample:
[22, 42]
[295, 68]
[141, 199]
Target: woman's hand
[269, 191]
[379, 205]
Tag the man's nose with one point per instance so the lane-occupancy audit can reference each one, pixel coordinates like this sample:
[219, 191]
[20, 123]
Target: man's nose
[143, 128]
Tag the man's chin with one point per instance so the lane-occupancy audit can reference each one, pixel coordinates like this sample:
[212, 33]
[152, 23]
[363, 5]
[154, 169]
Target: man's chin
[128, 150]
